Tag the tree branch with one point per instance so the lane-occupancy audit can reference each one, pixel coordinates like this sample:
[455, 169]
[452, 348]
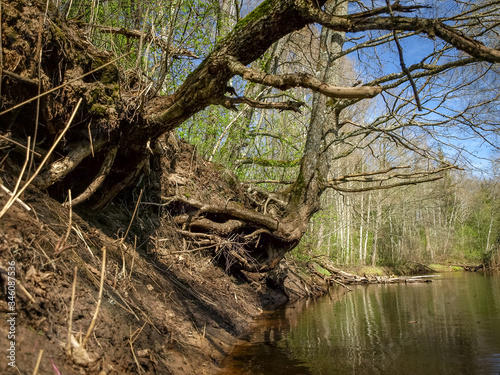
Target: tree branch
[430, 27]
[384, 187]
[288, 81]
[402, 61]
[282, 182]
[288, 105]
[269, 163]
[396, 7]
[158, 40]
[415, 177]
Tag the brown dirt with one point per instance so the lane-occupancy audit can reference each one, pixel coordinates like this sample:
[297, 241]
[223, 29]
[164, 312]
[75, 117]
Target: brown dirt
[181, 309]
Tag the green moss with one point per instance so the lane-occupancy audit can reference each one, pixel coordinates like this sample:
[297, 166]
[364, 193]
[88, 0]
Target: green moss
[372, 271]
[98, 109]
[322, 270]
[58, 33]
[445, 268]
[10, 33]
[262, 10]
[113, 91]
[109, 74]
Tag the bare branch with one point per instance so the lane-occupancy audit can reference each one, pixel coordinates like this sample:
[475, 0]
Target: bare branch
[384, 187]
[288, 105]
[402, 61]
[396, 7]
[411, 178]
[287, 81]
[282, 182]
[26, 80]
[158, 40]
[269, 163]
[430, 27]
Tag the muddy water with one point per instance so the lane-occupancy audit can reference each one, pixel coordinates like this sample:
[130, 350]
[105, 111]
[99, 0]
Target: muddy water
[449, 326]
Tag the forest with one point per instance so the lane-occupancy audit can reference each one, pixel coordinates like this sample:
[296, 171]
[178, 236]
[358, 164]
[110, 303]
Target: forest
[365, 132]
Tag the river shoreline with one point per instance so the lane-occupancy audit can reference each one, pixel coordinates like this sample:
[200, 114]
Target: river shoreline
[174, 312]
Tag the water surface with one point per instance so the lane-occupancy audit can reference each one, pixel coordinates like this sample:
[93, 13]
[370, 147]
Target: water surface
[449, 326]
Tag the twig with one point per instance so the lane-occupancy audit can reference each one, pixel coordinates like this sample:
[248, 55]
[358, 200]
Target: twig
[79, 233]
[402, 61]
[72, 306]
[139, 368]
[35, 371]
[22, 170]
[60, 247]
[58, 139]
[69, 8]
[133, 258]
[99, 299]
[70, 216]
[18, 144]
[25, 291]
[341, 284]
[136, 334]
[90, 138]
[133, 216]
[24, 205]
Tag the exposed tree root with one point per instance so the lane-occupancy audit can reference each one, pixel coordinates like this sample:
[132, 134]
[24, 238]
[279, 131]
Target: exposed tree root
[94, 185]
[61, 168]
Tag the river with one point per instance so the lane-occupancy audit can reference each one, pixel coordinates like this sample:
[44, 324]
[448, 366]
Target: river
[449, 326]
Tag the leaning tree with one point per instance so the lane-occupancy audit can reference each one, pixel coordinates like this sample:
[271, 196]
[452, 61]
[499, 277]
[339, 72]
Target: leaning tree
[55, 79]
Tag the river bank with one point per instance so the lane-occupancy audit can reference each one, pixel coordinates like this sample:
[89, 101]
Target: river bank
[175, 311]
[161, 311]
[172, 312]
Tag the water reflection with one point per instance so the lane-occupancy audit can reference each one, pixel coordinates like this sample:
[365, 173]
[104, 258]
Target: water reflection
[450, 326]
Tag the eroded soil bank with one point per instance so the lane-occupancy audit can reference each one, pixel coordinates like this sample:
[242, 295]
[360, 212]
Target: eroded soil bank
[165, 310]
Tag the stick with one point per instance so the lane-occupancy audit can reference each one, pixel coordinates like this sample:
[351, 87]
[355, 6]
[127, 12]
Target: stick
[139, 368]
[35, 371]
[133, 258]
[61, 244]
[99, 299]
[72, 306]
[341, 284]
[22, 170]
[133, 216]
[24, 205]
[58, 139]
[17, 143]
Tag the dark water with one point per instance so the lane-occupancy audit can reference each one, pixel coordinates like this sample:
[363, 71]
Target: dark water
[449, 326]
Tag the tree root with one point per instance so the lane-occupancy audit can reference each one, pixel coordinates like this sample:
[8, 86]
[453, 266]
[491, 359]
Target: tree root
[231, 209]
[61, 168]
[96, 184]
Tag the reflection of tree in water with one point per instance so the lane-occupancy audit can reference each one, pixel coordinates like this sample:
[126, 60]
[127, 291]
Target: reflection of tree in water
[268, 348]
[445, 327]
